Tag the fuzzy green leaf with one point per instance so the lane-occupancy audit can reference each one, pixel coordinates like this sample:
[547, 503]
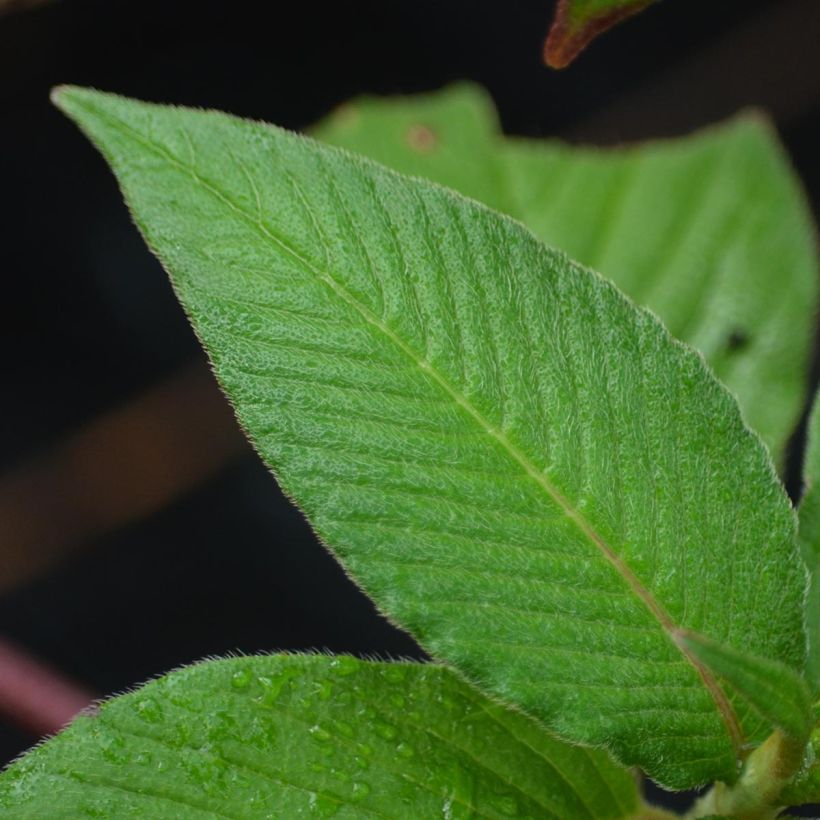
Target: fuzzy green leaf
[709, 231]
[578, 22]
[805, 787]
[810, 542]
[776, 692]
[291, 736]
[519, 466]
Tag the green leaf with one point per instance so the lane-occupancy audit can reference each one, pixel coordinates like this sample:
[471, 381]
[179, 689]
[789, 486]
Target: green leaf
[810, 543]
[758, 792]
[805, 787]
[711, 232]
[578, 22]
[519, 466]
[776, 692]
[292, 736]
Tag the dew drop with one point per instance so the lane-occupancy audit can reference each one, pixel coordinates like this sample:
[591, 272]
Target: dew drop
[341, 775]
[178, 735]
[360, 791]
[322, 806]
[319, 733]
[385, 730]
[345, 729]
[272, 685]
[113, 749]
[150, 710]
[344, 665]
[405, 750]
[241, 679]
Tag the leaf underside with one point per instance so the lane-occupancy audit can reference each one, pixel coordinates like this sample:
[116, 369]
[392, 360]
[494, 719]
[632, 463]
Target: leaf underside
[578, 22]
[710, 231]
[292, 736]
[520, 467]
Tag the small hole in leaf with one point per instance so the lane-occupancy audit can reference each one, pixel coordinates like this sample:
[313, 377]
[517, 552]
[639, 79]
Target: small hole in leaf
[737, 340]
[421, 138]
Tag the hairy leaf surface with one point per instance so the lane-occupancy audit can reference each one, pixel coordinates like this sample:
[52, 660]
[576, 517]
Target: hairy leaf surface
[710, 231]
[805, 787]
[578, 22]
[519, 466]
[291, 736]
[775, 691]
[810, 543]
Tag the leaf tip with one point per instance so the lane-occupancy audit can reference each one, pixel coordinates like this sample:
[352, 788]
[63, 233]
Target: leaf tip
[57, 93]
[65, 97]
[571, 33]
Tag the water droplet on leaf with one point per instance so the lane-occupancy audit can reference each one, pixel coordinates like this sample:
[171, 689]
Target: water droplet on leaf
[241, 679]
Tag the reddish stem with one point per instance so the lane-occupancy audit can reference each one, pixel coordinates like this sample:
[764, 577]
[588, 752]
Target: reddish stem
[34, 696]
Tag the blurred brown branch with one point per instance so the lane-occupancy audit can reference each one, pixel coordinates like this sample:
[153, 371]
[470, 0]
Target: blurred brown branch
[7, 6]
[118, 469]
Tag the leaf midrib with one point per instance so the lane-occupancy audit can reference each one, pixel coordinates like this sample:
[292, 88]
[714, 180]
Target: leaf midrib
[669, 627]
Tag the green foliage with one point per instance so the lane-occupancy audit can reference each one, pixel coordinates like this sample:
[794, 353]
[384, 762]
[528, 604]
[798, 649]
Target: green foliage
[777, 693]
[518, 465]
[578, 22]
[710, 232]
[810, 543]
[290, 736]
[805, 787]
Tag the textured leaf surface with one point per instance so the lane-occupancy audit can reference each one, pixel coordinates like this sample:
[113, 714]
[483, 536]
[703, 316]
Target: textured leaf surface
[520, 467]
[709, 231]
[292, 736]
[578, 22]
[810, 543]
[806, 785]
[776, 692]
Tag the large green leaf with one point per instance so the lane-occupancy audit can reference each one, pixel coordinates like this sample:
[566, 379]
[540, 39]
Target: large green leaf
[291, 736]
[810, 542]
[709, 231]
[519, 466]
[578, 22]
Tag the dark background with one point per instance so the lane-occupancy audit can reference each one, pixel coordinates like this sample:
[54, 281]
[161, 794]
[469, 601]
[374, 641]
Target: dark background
[103, 575]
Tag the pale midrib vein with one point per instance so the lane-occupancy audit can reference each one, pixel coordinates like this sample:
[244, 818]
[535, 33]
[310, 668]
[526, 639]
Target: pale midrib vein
[670, 628]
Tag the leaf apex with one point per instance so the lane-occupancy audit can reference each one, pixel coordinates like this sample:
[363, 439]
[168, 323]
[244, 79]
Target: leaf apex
[58, 92]
[572, 32]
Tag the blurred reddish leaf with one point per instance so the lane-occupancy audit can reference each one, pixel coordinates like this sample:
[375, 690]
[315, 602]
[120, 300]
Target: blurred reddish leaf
[578, 22]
